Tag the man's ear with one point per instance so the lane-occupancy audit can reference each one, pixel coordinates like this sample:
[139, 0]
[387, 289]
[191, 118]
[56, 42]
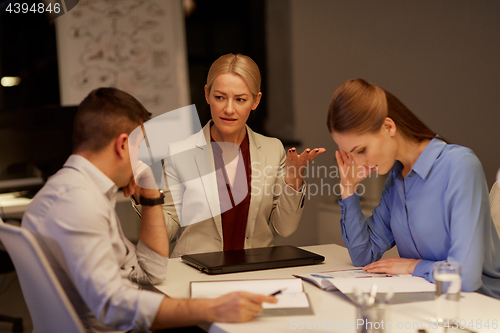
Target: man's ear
[121, 145]
[389, 126]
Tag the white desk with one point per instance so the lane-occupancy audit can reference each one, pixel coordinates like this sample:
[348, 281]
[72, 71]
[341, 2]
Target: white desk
[13, 204]
[331, 309]
[12, 207]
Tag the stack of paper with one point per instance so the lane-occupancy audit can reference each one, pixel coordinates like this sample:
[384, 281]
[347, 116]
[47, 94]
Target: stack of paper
[348, 280]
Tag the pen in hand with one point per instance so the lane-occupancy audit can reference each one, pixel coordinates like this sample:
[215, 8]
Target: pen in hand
[277, 292]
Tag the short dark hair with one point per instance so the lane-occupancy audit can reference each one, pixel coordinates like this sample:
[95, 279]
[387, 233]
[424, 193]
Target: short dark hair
[103, 115]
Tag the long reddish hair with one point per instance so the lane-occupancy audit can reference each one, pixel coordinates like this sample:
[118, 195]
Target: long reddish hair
[361, 107]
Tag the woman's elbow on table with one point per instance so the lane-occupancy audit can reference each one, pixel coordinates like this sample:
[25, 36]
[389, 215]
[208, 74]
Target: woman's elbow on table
[360, 259]
[471, 284]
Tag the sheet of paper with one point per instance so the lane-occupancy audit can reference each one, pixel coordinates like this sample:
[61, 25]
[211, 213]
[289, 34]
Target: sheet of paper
[292, 295]
[289, 300]
[324, 279]
[352, 273]
[397, 284]
[347, 280]
[211, 289]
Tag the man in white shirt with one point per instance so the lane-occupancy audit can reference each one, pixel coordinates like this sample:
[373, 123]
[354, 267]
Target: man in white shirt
[73, 217]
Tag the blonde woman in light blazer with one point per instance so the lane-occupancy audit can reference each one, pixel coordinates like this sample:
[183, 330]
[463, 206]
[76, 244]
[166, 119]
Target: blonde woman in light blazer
[271, 197]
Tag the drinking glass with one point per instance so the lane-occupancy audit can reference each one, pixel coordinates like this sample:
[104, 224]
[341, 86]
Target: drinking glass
[448, 285]
[372, 319]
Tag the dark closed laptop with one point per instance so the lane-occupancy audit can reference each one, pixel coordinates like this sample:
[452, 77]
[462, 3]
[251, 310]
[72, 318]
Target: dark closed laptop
[251, 259]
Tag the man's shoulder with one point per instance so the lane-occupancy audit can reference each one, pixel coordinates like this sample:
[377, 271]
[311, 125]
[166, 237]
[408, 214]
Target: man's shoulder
[66, 180]
[66, 188]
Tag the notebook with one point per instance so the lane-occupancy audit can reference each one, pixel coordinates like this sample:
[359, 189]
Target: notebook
[251, 259]
[292, 300]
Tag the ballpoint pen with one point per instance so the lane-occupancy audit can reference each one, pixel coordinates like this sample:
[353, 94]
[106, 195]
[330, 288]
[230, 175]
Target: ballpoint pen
[277, 292]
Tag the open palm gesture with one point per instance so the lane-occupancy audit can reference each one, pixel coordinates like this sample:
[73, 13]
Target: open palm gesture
[296, 165]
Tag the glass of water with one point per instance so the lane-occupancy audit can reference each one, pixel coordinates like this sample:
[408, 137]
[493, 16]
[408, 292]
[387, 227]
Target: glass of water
[448, 285]
[372, 319]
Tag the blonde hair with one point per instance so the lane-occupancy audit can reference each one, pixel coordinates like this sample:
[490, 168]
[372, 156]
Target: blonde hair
[361, 107]
[237, 64]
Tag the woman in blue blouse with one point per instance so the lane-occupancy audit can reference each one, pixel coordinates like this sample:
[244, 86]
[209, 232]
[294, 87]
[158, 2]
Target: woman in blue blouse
[434, 205]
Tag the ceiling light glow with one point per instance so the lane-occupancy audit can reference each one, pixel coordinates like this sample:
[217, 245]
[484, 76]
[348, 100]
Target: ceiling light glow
[10, 81]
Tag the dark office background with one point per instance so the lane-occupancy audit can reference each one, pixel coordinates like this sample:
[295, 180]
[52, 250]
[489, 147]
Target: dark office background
[28, 44]
[29, 51]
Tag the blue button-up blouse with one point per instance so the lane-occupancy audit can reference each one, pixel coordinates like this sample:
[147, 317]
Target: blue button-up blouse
[439, 211]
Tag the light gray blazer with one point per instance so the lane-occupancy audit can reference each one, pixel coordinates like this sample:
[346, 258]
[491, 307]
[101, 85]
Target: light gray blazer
[192, 195]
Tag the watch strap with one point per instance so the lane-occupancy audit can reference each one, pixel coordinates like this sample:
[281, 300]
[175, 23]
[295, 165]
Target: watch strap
[153, 202]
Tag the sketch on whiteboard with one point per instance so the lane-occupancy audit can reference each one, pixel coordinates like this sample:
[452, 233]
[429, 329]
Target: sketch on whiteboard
[122, 44]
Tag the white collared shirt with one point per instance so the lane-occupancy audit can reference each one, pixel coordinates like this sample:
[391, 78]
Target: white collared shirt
[73, 217]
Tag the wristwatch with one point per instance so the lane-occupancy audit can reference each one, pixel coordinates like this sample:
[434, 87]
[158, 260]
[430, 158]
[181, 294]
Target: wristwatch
[153, 202]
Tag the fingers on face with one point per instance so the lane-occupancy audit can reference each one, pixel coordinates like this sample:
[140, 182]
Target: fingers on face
[345, 156]
[129, 189]
[350, 160]
[338, 157]
[132, 181]
[348, 156]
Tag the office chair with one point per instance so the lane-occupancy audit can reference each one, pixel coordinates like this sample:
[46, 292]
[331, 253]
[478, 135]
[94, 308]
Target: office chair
[50, 308]
[495, 205]
[6, 266]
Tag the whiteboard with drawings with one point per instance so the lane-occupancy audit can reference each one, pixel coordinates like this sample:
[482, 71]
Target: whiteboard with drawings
[134, 45]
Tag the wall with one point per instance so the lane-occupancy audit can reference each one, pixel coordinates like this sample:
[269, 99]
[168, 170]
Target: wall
[439, 57]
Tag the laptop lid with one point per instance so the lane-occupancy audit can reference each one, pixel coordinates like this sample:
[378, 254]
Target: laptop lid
[251, 259]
